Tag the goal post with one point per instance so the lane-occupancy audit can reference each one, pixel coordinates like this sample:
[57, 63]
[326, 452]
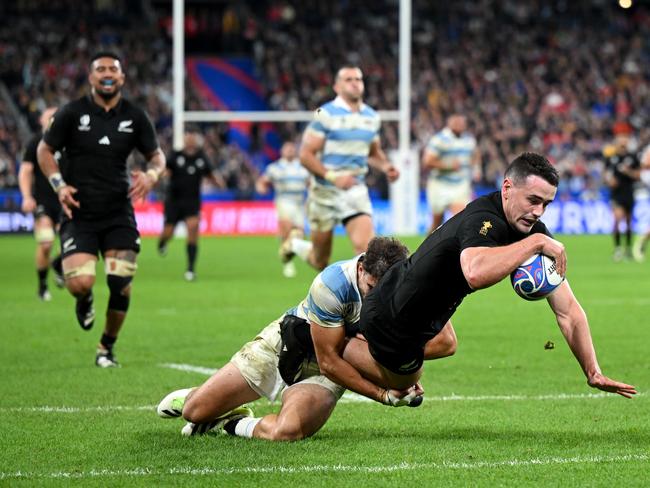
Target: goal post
[404, 193]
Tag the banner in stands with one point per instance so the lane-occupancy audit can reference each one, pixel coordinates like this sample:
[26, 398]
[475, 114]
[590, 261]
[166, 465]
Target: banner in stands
[258, 218]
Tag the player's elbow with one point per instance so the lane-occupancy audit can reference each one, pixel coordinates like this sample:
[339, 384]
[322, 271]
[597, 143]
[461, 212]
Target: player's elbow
[475, 278]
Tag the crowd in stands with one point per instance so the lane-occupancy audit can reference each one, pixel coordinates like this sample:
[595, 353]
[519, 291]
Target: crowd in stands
[561, 78]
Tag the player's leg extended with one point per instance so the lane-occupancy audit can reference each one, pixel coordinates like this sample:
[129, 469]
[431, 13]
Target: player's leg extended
[44, 235]
[120, 267]
[192, 224]
[356, 353]
[225, 390]
[305, 409]
[360, 231]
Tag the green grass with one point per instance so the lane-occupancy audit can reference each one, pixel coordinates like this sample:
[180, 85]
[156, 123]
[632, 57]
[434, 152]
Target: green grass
[497, 430]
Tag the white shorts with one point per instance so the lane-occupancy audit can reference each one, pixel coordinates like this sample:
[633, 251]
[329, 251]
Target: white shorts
[442, 194]
[327, 206]
[291, 210]
[257, 361]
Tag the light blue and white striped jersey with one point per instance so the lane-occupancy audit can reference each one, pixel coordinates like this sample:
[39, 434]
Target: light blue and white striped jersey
[449, 147]
[289, 179]
[348, 136]
[333, 299]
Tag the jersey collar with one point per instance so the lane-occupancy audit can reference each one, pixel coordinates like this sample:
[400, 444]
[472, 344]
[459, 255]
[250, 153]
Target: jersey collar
[97, 109]
[339, 102]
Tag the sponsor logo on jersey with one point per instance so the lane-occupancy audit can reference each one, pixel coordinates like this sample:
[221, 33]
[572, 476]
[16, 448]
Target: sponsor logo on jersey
[84, 123]
[105, 141]
[125, 126]
[487, 225]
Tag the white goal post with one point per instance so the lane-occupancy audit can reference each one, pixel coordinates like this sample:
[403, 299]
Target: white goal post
[404, 194]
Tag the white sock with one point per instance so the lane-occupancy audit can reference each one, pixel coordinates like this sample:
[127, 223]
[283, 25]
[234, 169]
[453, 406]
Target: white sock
[301, 247]
[246, 426]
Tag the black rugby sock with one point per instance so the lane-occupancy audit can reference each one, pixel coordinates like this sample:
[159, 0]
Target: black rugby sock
[192, 250]
[57, 264]
[42, 279]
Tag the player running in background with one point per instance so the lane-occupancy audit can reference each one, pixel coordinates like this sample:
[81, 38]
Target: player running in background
[39, 199]
[337, 147]
[622, 172]
[289, 180]
[334, 303]
[98, 132]
[186, 170]
[453, 161]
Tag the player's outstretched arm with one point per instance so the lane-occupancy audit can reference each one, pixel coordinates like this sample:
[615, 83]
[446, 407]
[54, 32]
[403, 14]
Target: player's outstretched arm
[574, 326]
[329, 343]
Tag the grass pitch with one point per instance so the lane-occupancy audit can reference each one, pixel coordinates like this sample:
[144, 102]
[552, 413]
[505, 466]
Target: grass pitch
[503, 411]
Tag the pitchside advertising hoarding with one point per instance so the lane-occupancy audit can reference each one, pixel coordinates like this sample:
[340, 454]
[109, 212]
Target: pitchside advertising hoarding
[259, 218]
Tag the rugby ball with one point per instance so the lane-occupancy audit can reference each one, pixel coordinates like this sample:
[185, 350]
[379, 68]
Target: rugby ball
[536, 278]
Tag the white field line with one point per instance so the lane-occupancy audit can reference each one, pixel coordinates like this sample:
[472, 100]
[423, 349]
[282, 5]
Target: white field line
[335, 468]
[350, 397]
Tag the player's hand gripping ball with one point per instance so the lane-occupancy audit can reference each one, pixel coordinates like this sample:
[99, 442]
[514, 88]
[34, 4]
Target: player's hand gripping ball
[536, 278]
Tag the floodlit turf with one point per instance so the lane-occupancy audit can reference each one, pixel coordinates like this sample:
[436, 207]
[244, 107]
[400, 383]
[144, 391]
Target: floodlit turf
[503, 411]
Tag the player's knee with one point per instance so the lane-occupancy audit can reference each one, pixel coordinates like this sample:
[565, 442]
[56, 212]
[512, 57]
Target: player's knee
[449, 346]
[80, 285]
[46, 247]
[288, 431]
[119, 275]
[195, 412]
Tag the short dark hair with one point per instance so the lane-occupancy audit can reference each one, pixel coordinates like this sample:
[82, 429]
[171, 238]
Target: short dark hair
[382, 253]
[530, 163]
[104, 54]
[346, 66]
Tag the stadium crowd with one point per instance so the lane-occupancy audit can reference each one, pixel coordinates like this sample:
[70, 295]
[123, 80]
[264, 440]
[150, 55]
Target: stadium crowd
[561, 78]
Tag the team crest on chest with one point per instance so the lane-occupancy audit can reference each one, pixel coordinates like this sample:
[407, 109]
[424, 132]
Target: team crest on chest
[84, 123]
[487, 225]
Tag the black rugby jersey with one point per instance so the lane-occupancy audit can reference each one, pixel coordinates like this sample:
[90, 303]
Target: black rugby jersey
[187, 171]
[616, 163]
[97, 144]
[420, 293]
[41, 189]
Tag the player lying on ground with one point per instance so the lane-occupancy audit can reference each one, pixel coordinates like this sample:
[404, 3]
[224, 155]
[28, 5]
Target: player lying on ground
[333, 301]
[475, 249]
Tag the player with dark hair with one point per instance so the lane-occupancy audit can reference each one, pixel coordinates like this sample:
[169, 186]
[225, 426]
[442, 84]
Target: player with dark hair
[622, 172]
[98, 132]
[334, 303]
[39, 198]
[337, 147]
[186, 170]
[475, 249]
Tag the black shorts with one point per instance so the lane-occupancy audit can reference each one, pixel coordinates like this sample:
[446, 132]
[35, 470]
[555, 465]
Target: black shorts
[94, 236]
[48, 209]
[623, 199]
[177, 210]
[398, 345]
